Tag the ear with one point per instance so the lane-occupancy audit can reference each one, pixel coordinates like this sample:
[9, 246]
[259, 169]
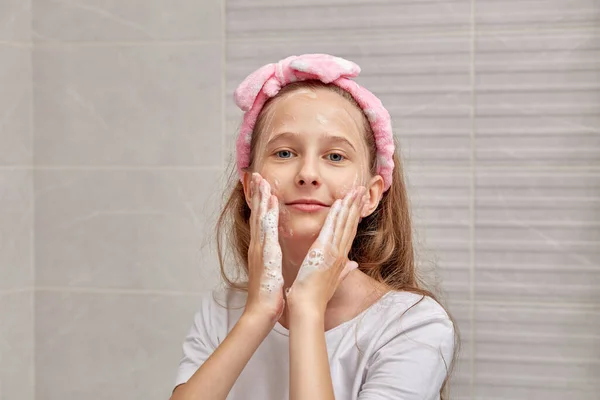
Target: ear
[374, 193]
[246, 180]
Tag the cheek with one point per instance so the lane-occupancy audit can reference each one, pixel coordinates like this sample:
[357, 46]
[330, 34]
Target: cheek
[274, 180]
[342, 184]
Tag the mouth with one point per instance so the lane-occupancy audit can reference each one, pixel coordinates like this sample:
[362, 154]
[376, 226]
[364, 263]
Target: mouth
[307, 206]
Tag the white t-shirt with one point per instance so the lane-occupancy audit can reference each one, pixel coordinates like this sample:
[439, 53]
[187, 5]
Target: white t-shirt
[405, 340]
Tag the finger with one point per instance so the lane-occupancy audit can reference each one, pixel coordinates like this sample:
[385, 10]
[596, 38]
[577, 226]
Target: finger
[254, 209]
[326, 234]
[349, 231]
[342, 217]
[272, 256]
[265, 196]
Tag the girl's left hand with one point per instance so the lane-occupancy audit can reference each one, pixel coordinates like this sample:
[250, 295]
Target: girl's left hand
[326, 263]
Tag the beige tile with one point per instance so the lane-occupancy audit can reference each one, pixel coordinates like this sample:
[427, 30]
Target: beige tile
[310, 18]
[537, 236]
[128, 105]
[538, 97]
[109, 346]
[15, 21]
[16, 229]
[441, 221]
[15, 105]
[536, 15]
[527, 352]
[16, 346]
[130, 20]
[148, 230]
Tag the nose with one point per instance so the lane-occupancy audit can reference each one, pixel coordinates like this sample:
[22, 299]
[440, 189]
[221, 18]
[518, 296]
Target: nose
[308, 175]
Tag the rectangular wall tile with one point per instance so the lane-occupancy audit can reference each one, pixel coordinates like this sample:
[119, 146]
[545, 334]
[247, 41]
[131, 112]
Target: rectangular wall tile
[16, 346]
[310, 18]
[128, 105]
[15, 105]
[537, 236]
[16, 229]
[109, 346]
[527, 352]
[15, 21]
[538, 98]
[148, 230]
[423, 82]
[130, 20]
[531, 15]
[441, 219]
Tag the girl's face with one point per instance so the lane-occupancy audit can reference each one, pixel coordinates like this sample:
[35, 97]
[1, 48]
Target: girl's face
[312, 152]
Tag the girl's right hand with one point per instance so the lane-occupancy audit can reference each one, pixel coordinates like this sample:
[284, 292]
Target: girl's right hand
[265, 280]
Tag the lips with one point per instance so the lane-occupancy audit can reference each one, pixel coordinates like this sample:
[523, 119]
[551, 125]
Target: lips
[307, 205]
[307, 201]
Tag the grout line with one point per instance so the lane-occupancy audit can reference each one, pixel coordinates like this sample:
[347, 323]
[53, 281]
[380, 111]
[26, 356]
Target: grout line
[15, 44]
[367, 36]
[136, 292]
[64, 44]
[473, 155]
[528, 304]
[16, 291]
[223, 83]
[112, 167]
[32, 125]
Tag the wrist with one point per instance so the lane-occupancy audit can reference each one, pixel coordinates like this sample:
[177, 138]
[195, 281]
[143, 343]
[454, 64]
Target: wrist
[256, 323]
[307, 314]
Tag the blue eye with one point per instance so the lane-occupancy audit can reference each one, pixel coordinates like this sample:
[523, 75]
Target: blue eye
[284, 154]
[336, 157]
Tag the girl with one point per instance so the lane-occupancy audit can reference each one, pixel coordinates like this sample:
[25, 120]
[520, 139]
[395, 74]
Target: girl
[319, 223]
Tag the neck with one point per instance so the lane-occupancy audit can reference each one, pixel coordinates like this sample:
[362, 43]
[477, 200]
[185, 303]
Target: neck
[293, 251]
[356, 285]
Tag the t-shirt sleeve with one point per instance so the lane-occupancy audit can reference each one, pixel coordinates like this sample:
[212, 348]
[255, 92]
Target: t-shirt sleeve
[413, 363]
[199, 343]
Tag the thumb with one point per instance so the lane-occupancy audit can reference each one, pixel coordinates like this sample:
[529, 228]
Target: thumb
[349, 267]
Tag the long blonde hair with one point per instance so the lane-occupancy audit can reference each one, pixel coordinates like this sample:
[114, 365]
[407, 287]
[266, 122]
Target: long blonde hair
[383, 246]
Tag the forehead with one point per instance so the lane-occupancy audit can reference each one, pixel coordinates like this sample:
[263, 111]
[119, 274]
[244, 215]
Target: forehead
[315, 111]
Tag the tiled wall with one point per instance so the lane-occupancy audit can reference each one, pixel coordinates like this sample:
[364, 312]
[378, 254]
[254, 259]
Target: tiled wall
[116, 123]
[16, 204]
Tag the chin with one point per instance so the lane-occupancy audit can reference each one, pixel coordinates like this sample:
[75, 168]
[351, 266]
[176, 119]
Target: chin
[305, 226]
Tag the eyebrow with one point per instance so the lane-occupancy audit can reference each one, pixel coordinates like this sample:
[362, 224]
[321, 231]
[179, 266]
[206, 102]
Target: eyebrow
[325, 136]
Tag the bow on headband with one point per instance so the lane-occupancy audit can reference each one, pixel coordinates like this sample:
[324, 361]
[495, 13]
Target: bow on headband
[267, 81]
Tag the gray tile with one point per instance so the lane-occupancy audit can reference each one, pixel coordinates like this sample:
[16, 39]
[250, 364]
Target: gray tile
[16, 144]
[141, 20]
[441, 220]
[527, 352]
[16, 229]
[16, 346]
[424, 83]
[128, 105]
[535, 15]
[149, 230]
[460, 378]
[15, 21]
[538, 98]
[310, 18]
[109, 346]
[537, 236]
[460, 381]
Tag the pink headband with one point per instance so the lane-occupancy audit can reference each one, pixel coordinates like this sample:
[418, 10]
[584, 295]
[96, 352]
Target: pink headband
[268, 80]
